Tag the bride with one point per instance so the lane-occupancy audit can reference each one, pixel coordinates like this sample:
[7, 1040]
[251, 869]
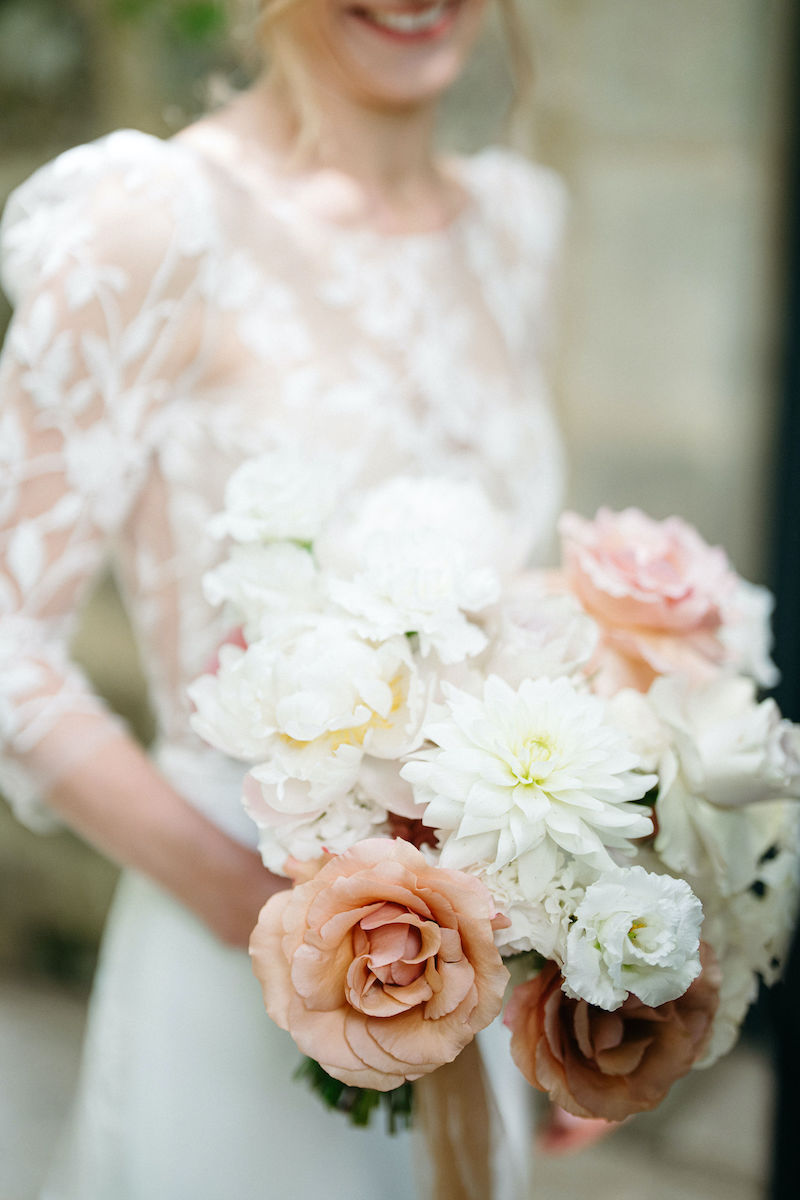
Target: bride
[298, 269]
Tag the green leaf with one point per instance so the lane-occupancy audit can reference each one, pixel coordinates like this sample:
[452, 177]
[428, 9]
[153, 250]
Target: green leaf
[200, 20]
[359, 1103]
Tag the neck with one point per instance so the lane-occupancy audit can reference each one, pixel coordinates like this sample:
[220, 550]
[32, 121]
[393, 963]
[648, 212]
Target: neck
[387, 155]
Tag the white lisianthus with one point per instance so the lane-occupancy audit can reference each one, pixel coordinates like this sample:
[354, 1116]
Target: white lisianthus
[750, 931]
[732, 749]
[633, 933]
[310, 700]
[283, 495]
[519, 776]
[719, 849]
[257, 581]
[418, 582]
[726, 752]
[537, 633]
[723, 932]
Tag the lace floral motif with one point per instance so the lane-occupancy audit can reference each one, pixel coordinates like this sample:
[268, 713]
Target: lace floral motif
[170, 323]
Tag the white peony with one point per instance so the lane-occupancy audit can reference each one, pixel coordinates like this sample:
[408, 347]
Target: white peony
[633, 933]
[379, 778]
[299, 778]
[258, 581]
[309, 701]
[520, 776]
[281, 495]
[233, 711]
[418, 582]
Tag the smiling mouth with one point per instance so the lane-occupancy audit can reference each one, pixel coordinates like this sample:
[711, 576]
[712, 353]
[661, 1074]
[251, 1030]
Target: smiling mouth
[409, 24]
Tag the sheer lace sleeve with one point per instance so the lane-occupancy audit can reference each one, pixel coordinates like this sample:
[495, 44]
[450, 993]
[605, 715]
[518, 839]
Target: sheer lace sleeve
[104, 253]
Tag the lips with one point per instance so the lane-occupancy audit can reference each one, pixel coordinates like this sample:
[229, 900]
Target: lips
[420, 23]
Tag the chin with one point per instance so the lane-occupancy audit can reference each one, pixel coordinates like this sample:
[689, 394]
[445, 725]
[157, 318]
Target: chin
[393, 53]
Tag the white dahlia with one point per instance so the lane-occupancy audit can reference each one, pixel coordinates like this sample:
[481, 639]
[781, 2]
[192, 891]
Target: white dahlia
[520, 776]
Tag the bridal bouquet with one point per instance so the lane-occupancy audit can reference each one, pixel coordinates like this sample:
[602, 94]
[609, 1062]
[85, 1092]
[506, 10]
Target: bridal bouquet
[554, 790]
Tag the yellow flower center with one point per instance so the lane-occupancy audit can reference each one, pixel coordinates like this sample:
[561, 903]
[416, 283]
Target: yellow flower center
[535, 753]
[355, 735]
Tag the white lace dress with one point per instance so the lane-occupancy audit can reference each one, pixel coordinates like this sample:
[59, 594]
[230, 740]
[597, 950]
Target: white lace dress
[176, 312]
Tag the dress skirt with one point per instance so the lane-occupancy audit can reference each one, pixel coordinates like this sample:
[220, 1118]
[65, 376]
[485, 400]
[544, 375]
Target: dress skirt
[186, 1090]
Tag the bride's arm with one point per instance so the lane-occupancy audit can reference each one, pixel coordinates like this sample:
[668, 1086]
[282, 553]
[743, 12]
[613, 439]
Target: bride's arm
[125, 808]
[105, 263]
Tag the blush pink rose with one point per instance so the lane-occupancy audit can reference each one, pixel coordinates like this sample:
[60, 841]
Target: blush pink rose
[595, 1063]
[657, 591]
[381, 967]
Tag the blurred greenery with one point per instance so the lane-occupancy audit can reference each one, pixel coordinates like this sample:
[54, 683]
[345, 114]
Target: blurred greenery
[71, 70]
[194, 19]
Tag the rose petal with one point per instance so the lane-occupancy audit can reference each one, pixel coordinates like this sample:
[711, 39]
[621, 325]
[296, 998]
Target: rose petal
[381, 966]
[609, 1065]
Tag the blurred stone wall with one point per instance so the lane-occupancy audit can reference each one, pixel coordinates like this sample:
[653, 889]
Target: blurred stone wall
[667, 120]
[664, 116]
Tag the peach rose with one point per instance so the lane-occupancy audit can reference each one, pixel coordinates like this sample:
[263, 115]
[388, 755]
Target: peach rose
[382, 967]
[609, 1064]
[656, 589]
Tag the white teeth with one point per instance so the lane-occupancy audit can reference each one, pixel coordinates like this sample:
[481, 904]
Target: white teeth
[408, 22]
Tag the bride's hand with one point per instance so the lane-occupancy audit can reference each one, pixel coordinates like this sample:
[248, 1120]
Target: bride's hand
[562, 1133]
[231, 909]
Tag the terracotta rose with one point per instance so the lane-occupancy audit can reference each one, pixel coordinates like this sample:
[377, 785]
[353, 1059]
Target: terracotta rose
[609, 1064]
[381, 967]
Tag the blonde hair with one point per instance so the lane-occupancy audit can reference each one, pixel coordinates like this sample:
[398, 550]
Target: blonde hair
[284, 64]
[285, 68]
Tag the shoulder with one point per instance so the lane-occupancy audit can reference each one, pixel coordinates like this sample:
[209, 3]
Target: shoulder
[121, 200]
[526, 201]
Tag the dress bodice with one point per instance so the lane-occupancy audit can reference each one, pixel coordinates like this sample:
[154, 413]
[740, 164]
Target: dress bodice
[175, 315]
